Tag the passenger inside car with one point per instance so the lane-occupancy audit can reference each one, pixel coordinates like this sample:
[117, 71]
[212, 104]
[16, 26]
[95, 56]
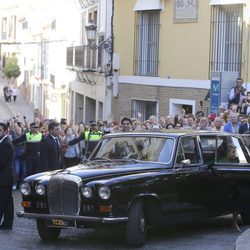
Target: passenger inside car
[227, 153]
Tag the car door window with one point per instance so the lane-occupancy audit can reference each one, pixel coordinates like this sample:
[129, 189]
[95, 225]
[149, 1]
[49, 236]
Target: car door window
[230, 150]
[208, 146]
[188, 150]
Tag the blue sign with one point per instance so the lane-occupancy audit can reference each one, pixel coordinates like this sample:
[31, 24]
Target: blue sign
[214, 96]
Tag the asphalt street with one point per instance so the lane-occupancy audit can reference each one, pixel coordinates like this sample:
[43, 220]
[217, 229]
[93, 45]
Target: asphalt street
[214, 234]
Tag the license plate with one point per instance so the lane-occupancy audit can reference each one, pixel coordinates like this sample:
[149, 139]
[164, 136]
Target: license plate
[60, 223]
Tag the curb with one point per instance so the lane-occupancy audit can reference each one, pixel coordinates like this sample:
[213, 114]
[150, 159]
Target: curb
[243, 241]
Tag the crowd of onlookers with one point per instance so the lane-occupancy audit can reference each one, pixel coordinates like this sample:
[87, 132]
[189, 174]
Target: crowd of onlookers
[233, 119]
[228, 120]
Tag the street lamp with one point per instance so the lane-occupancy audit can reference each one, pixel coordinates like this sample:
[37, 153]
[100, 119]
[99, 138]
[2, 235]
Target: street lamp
[107, 45]
[91, 32]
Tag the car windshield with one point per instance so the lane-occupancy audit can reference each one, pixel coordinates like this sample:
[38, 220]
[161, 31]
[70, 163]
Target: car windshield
[142, 148]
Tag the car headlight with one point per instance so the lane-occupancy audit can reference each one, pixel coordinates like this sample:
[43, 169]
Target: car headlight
[25, 189]
[87, 192]
[40, 189]
[104, 192]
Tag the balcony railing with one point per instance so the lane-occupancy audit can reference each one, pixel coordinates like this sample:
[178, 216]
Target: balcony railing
[82, 57]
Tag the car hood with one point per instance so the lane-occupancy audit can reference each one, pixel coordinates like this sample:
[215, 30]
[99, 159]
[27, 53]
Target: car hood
[101, 170]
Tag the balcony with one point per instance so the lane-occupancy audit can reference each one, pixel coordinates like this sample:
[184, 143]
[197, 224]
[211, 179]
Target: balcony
[83, 58]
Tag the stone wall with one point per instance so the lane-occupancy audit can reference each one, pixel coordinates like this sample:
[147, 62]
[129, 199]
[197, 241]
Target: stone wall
[121, 106]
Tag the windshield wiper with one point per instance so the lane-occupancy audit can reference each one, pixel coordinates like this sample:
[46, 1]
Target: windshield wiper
[126, 159]
[101, 159]
[119, 159]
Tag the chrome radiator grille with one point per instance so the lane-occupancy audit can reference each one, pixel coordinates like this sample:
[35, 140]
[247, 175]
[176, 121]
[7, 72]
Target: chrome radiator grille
[64, 195]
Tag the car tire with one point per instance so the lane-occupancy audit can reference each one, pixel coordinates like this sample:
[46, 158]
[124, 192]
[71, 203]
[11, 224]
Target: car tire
[47, 233]
[136, 225]
[245, 218]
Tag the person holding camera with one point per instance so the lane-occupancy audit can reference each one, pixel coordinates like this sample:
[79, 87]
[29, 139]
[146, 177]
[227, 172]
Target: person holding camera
[245, 104]
[236, 93]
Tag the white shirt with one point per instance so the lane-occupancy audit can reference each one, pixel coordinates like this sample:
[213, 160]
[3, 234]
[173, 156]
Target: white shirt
[14, 92]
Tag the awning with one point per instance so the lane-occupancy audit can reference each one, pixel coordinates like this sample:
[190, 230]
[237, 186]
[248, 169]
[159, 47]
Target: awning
[223, 2]
[148, 5]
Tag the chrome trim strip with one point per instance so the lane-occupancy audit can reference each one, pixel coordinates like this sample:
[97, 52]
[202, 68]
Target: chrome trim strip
[105, 220]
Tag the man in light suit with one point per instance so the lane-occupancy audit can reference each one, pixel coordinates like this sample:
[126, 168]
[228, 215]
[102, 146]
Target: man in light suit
[232, 126]
[50, 149]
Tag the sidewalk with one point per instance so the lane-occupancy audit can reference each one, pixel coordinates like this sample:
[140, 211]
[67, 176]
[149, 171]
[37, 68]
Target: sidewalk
[11, 109]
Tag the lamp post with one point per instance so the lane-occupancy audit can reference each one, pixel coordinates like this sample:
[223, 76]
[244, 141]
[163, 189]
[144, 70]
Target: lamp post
[107, 45]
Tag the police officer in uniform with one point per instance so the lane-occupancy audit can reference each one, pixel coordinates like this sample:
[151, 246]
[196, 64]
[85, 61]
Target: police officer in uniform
[6, 179]
[91, 137]
[32, 152]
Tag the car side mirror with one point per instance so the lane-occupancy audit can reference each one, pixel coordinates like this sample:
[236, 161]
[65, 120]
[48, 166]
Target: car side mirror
[182, 164]
[186, 162]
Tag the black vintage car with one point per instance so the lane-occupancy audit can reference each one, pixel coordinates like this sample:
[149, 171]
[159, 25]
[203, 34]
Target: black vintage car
[136, 180]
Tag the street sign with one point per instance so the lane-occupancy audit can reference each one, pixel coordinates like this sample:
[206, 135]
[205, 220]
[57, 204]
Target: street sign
[214, 96]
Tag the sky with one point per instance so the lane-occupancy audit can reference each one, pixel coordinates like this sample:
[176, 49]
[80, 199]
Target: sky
[37, 5]
[39, 10]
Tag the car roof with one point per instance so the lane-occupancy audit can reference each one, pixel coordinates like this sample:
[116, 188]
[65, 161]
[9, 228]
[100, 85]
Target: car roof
[169, 132]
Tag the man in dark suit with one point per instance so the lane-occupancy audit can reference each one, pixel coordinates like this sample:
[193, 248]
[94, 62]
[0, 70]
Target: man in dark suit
[50, 149]
[6, 179]
[245, 126]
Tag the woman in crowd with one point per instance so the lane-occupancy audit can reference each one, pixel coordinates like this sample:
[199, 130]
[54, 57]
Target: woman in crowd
[72, 153]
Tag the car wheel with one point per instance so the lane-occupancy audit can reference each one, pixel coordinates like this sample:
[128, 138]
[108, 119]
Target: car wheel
[136, 225]
[245, 218]
[47, 233]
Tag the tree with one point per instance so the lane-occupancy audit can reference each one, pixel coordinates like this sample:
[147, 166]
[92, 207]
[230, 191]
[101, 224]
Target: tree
[11, 69]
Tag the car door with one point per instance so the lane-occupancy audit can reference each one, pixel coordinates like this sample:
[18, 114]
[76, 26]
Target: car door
[233, 173]
[217, 185]
[192, 178]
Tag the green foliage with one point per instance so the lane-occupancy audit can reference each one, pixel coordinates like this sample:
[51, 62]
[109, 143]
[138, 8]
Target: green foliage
[11, 68]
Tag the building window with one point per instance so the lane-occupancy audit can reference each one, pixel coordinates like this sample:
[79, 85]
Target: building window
[4, 28]
[100, 110]
[146, 108]
[82, 29]
[92, 16]
[12, 28]
[147, 43]
[69, 56]
[100, 53]
[24, 25]
[52, 80]
[53, 25]
[226, 37]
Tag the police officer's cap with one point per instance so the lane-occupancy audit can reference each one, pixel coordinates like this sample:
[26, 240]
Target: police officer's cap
[33, 125]
[92, 122]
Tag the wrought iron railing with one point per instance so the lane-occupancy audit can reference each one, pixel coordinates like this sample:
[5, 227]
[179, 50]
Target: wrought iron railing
[82, 57]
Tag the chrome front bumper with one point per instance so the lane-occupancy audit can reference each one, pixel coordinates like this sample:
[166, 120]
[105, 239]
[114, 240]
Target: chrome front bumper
[104, 220]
